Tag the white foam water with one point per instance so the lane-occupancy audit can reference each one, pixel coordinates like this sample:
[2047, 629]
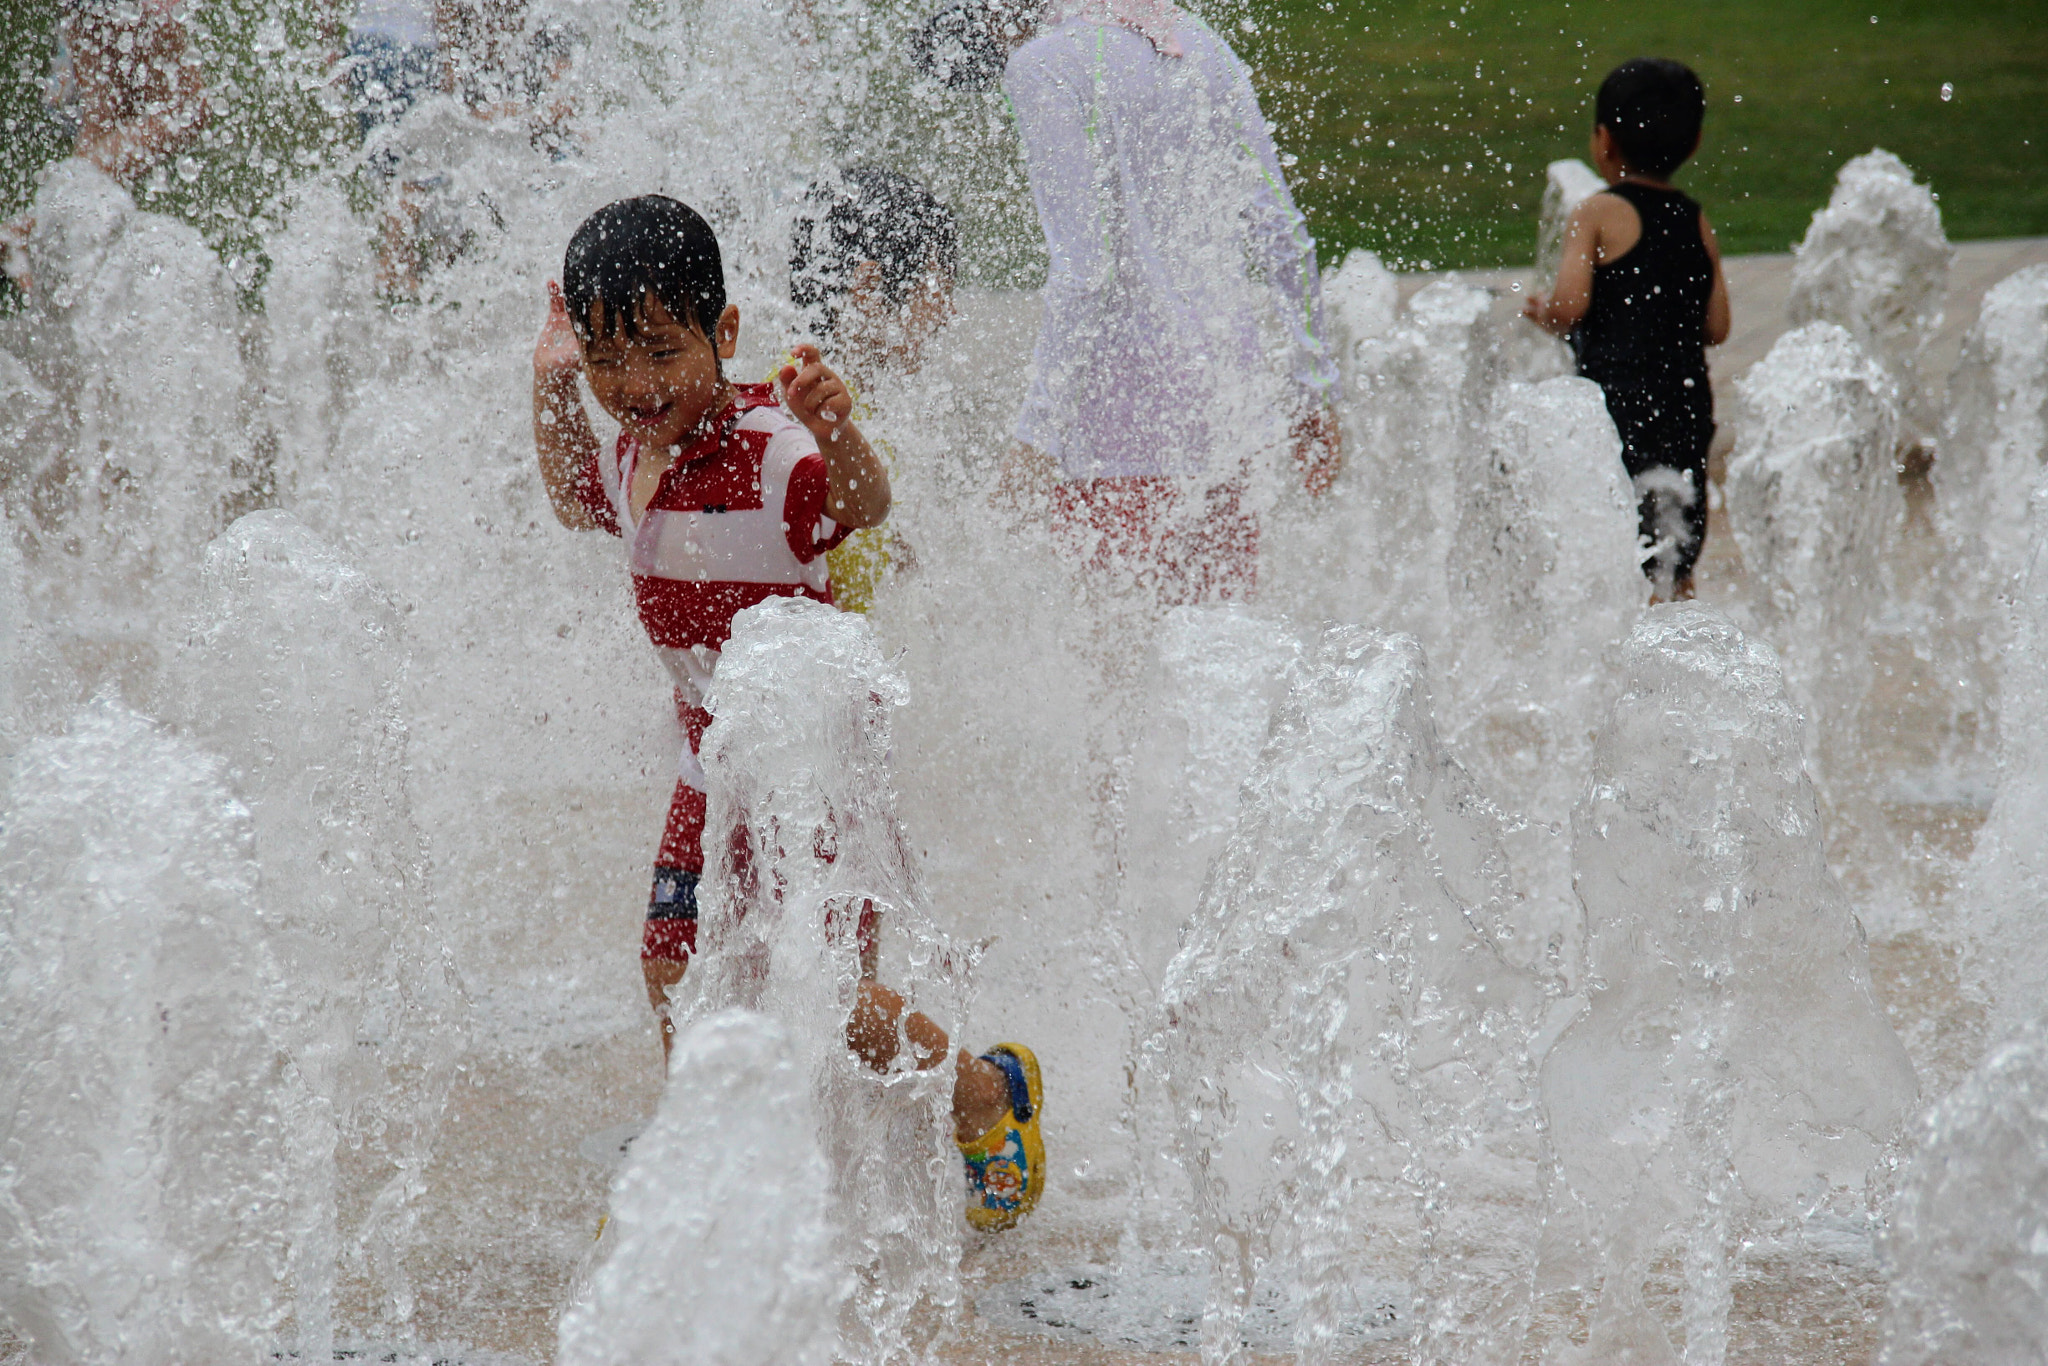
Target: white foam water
[412, 746]
[1545, 584]
[1363, 298]
[1529, 353]
[798, 768]
[1567, 183]
[1217, 675]
[1967, 1250]
[1814, 502]
[1994, 445]
[1876, 262]
[1416, 408]
[2006, 883]
[504, 615]
[291, 670]
[1995, 441]
[720, 1244]
[1360, 910]
[105, 495]
[1732, 1069]
[150, 1110]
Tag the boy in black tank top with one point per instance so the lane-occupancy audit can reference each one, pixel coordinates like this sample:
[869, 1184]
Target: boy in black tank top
[1640, 296]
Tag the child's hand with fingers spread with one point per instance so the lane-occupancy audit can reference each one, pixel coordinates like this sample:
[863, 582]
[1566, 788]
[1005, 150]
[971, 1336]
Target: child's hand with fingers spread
[818, 397]
[558, 352]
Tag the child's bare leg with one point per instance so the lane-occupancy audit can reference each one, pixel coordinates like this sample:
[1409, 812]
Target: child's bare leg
[980, 1091]
[661, 974]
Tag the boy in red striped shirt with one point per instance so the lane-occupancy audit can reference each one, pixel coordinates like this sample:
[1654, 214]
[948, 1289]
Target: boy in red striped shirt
[725, 498]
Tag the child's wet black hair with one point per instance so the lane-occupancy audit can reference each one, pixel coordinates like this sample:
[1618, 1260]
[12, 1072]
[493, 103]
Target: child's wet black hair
[868, 214]
[1654, 108]
[636, 247]
[958, 47]
[962, 46]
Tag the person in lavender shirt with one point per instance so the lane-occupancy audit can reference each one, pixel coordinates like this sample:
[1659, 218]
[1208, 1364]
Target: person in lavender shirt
[1182, 338]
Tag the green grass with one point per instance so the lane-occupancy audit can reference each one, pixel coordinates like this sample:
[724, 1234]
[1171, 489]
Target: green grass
[1420, 128]
[1377, 100]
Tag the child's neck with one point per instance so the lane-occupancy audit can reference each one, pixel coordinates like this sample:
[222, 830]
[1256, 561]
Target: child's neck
[1628, 177]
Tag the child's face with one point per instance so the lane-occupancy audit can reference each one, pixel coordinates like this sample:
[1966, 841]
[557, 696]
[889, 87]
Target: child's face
[664, 385]
[928, 309]
[901, 329]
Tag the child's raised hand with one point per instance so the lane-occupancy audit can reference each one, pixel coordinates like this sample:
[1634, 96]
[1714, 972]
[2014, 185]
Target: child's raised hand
[558, 352]
[818, 397]
[1536, 307]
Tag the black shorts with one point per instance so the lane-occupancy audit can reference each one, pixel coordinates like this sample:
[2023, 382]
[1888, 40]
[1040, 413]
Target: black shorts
[1664, 424]
[1665, 431]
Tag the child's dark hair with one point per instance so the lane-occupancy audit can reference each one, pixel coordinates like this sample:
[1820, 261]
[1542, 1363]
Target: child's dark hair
[868, 213]
[962, 45]
[1653, 107]
[636, 247]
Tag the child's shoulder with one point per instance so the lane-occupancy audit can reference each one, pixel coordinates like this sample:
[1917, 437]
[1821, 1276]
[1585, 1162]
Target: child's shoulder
[1608, 213]
[760, 409]
[1607, 202]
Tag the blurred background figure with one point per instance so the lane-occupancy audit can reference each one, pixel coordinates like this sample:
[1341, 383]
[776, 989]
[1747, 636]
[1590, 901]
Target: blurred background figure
[129, 87]
[394, 59]
[486, 79]
[873, 258]
[1179, 265]
[135, 82]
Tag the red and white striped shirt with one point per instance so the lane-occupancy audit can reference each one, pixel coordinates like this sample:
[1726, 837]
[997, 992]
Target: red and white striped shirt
[739, 518]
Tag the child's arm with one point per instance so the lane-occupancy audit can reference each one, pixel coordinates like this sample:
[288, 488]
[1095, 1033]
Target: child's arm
[857, 493]
[1717, 302]
[562, 437]
[1561, 310]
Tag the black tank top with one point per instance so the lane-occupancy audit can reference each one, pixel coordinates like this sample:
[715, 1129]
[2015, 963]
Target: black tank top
[1647, 324]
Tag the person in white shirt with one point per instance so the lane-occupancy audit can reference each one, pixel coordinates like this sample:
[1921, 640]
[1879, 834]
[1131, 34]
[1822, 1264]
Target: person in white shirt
[1182, 333]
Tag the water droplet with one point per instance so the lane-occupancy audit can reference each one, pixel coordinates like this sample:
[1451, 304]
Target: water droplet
[1948, 92]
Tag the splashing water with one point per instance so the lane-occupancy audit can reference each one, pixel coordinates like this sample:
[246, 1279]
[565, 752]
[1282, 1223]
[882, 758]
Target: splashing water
[1994, 446]
[1967, 1245]
[1815, 505]
[1241, 877]
[2007, 881]
[1360, 911]
[1814, 502]
[1543, 570]
[126, 424]
[320, 759]
[720, 1249]
[1876, 261]
[1731, 1068]
[798, 770]
[152, 1174]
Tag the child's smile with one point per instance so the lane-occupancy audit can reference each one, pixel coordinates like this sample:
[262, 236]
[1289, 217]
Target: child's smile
[662, 383]
[648, 415]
